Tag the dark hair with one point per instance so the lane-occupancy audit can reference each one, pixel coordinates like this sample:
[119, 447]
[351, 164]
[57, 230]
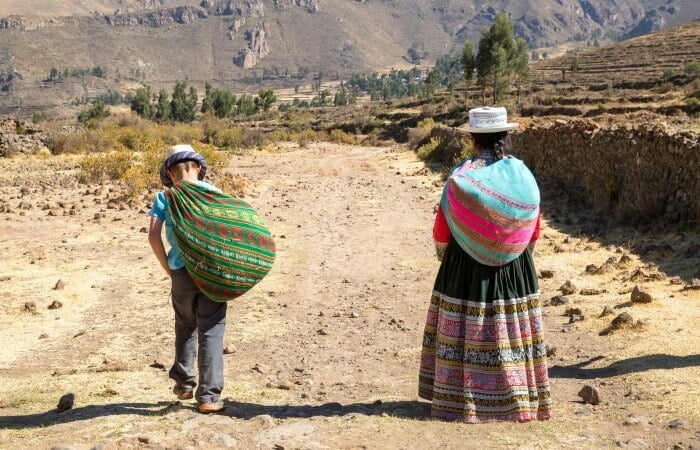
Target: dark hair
[491, 141]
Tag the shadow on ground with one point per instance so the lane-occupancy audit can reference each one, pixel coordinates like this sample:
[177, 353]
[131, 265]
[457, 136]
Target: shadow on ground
[402, 409]
[623, 367]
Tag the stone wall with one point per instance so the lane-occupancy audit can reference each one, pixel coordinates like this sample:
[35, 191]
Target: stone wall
[636, 173]
[18, 136]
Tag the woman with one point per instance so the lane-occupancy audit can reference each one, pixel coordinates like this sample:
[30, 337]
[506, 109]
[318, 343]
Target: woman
[484, 356]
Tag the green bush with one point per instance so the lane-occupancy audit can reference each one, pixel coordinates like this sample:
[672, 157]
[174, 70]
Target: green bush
[427, 151]
[692, 68]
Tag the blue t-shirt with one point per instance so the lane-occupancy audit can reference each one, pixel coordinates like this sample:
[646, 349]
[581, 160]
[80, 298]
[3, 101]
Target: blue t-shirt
[160, 211]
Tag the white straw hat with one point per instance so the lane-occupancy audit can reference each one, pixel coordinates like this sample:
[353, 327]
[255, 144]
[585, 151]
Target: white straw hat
[488, 119]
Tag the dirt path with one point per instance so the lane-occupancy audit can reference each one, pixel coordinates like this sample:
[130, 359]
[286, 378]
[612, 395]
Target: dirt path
[325, 351]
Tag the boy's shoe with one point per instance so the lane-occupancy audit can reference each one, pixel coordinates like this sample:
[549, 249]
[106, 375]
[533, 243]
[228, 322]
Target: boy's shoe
[183, 391]
[207, 408]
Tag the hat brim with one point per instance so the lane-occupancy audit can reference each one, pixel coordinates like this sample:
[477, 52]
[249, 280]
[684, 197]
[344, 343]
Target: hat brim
[506, 127]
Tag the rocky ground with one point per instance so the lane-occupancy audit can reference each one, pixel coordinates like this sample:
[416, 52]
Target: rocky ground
[324, 352]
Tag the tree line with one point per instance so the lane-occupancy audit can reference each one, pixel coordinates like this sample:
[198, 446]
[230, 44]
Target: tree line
[57, 74]
[181, 105]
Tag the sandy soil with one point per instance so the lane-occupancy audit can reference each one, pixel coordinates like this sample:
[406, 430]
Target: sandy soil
[325, 351]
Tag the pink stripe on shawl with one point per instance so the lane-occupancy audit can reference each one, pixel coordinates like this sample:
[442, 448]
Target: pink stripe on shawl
[484, 227]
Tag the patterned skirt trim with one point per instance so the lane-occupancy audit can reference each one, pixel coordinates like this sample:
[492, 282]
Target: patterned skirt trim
[485, 361]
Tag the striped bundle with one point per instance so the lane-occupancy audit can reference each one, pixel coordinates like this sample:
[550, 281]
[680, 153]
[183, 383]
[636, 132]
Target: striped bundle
[492, 212]
[225, 244]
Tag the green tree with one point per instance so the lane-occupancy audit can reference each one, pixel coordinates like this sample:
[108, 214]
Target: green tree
[246, 105]
[141, 102]
[183, 104]
[265, 99]
[341, 97]
[521, 66]
[93, 114]
[55, 74]
[498, 57]
[575, 64]
[468, 65]
[432, 81]
[162, 107]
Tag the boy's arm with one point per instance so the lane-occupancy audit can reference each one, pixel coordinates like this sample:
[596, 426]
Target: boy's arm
[156, 241]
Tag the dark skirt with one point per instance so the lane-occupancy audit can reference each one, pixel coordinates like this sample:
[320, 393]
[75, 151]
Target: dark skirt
[484, 356]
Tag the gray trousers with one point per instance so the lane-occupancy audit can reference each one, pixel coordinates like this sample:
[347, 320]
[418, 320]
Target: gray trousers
[198, 319]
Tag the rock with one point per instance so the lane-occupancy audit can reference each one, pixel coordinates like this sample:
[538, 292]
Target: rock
[66, 402]
[633, 420]
[676, 281]
[591, 268]
[55, 305]
[354, 315]
[229, 349]
[551, 352]
[59, 285]
[157, 364]
[640, 295]
[108, 393]
[322, 332]
[676, 424]
[605, 268]
[589, 291]
[607, 311]
[224, 440]
[568, 288]
[43, 336]
[559, 249]
[265, 420]
[559, 300]
[546, 273]
[143, 230]
[694, 285]
[624, 260]
[633, 443]
[622, 319]
[575, 315]
[589, 394]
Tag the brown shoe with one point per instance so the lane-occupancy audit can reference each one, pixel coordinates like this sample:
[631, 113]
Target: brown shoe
[183, 391]
[208, 408]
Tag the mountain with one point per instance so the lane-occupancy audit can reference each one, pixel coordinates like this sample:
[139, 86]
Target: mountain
[227, 41]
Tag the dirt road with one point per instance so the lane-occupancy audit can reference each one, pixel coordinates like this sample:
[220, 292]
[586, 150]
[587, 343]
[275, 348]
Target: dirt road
[324, 352]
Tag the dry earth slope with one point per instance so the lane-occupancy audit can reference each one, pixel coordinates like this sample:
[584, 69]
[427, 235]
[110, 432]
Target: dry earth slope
[324, 352]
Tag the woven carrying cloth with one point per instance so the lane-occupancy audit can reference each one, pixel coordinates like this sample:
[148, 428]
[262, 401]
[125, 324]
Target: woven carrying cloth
[225, 244]
[492, 212]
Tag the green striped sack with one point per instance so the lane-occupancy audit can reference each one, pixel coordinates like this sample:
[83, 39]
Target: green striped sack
[225, 244]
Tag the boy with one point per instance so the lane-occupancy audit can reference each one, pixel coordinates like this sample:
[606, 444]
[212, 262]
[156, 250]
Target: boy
[197, 318]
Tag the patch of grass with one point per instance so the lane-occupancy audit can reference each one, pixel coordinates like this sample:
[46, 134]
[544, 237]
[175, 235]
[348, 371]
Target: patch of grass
[428, 151]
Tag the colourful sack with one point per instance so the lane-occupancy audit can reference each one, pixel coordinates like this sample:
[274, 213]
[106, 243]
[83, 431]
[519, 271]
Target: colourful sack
[225, 244]
[492, 211]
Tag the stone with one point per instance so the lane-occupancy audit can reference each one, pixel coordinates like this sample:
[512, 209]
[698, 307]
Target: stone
[559, 249]
[559, 300]
[60, 285]
[551, 352]
[624, 260]
[223, 440]
[55, 305]
[229, 349]
[547, 273]
[43, 336]
[605, 268]
[633, 420]
[156, 364]
[322, 332]
[676, 424]
[622, 319]
[633, 443]
[30, 307]
[143, 230]
[590, 395]
[589, 291]
[693, 285]
[568, 288]
[607, 311]
[66, 402]
[265, 420]
[591, 268]
[354, 315]
[640, 295]
[575, 315]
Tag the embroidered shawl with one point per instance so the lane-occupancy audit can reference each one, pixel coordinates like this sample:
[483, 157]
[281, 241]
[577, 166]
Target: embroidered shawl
[492, 209]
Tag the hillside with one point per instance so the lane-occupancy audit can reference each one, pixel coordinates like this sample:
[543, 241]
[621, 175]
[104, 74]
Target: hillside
[229, 41]
[642, 74]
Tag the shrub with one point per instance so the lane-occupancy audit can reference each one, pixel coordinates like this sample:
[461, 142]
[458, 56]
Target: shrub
[427, 151]
[231, 137]
[692, 68]
[340, 136]
[231, 184]
[41, 116]
[92, 115]
[112, 166]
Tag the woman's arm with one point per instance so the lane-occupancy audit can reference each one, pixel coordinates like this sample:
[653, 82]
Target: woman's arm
[441, 234]
[535, 234]
[156, 241]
